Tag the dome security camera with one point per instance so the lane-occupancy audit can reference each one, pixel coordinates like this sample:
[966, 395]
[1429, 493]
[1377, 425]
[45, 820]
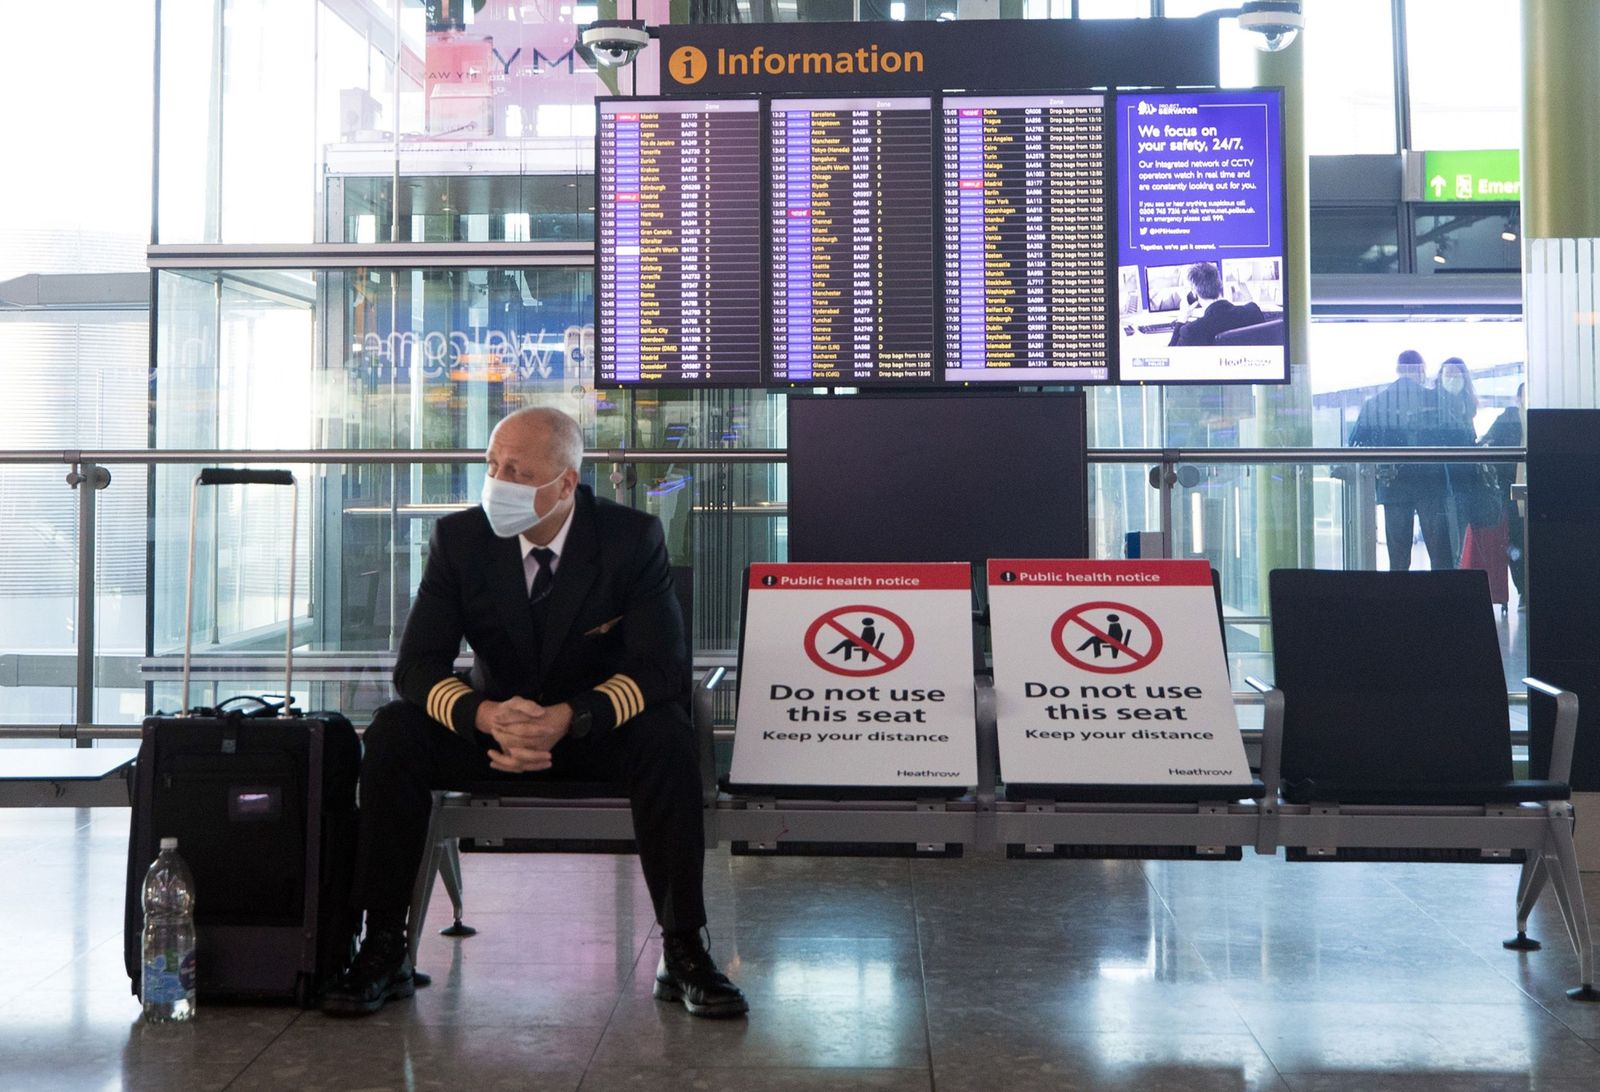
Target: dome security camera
[614, 42]
[1276, 22]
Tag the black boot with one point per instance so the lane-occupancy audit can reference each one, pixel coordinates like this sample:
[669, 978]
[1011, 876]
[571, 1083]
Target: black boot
[381, 972]
[686, 973]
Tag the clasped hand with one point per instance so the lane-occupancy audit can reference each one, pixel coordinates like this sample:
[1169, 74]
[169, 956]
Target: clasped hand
[524, 731]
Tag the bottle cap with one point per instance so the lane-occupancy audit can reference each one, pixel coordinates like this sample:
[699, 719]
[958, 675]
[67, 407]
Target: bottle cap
[169, 843]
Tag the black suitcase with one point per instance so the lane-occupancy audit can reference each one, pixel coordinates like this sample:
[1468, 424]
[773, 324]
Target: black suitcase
[263, 804]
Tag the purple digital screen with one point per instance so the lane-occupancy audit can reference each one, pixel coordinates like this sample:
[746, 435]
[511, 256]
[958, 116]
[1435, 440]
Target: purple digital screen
[1200, 222]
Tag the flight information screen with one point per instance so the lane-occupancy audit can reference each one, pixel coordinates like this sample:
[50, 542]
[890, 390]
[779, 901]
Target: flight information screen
[853, 277]
[679, 202]
[1027, 292]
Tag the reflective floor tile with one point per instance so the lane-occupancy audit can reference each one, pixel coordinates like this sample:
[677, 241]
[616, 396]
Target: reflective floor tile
[92, 1040]
[534, 939]
[1309, 1035]
[1443, 1080]
[512, 995]
[318, 1055]
[622, 1079]
[864, 973]
[1036, 1014]
[1091, 1062]
[792, 1034]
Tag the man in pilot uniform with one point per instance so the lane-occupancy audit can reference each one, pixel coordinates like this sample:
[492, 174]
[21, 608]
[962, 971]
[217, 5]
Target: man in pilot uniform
[581, 665]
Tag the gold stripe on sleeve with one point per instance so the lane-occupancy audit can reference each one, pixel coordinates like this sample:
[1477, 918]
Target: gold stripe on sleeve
[451, 700]
[633, 691]
[609, 689]
[442, 699]
[619, 686]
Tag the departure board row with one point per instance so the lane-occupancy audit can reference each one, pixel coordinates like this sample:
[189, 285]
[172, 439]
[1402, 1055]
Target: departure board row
[852, 241]
[679, 189]
[1024, 238]
[927, 239]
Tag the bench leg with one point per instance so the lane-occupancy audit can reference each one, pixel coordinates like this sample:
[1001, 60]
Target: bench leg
[450, 873]
[1529, 887]
[1568, 884]
[422, 892]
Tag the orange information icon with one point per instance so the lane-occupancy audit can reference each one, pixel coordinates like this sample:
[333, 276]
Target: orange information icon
[687, 64]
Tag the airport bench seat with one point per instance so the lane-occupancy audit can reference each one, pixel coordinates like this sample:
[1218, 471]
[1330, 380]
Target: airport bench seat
[1401, 749]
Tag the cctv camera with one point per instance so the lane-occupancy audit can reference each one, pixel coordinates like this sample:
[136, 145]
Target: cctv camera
[1278, 22]
[614, 42]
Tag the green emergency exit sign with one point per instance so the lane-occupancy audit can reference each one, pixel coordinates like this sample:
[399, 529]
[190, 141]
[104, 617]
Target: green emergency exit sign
[1472, 176]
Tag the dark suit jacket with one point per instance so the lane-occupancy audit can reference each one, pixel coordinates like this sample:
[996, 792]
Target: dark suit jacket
[1219, 318]
[612, 640]
[1407, 414]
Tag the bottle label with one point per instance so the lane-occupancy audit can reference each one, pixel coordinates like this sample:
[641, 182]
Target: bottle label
[167, 980]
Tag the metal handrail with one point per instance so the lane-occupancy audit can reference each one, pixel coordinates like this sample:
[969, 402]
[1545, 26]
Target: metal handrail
[87, 466]
[347, 456]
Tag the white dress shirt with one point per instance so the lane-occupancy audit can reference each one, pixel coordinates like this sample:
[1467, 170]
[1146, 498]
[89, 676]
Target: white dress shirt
[530, 566]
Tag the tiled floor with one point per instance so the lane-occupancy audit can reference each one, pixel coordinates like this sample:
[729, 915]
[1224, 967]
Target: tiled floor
[875, 974]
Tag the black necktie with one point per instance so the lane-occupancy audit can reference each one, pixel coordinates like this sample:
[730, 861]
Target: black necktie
[545, 578]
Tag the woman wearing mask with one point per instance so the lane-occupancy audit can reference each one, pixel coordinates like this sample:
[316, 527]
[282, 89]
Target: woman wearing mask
[1457, 398]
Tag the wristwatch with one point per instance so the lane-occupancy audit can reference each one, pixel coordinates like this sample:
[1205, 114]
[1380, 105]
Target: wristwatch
[582, 721]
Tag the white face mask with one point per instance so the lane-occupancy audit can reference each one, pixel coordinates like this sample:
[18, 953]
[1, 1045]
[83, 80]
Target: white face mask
[510, 506]
[1453, 383]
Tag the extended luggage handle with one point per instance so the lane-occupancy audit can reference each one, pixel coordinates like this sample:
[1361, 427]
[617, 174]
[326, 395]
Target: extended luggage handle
[215, 475]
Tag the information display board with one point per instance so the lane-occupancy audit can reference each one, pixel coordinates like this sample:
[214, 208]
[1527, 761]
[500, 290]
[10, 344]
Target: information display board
[856, 676]
[1112, 673]
[1027, 294]
[1200, 229]
[852, 235]
[679, 255]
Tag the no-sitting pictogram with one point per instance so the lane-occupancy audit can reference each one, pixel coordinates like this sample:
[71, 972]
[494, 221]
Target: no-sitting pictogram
[859, 640]
[1107, 638]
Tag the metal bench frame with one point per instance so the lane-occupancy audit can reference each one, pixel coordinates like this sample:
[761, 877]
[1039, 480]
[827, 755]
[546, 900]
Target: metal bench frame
[980, 822]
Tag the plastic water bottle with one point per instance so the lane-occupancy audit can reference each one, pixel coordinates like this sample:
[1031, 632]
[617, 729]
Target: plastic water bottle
[168, 992]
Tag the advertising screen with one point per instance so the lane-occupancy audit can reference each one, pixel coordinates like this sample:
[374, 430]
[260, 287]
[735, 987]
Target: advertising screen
[678, 187]
[851, 217]
[1200, 226]
[1025, 264]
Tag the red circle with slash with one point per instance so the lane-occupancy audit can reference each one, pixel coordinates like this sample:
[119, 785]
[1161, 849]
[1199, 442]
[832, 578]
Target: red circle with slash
[1075, 616]
[877, 661]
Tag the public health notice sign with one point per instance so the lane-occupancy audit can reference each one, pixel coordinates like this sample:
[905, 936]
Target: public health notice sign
[1112, 673]
[1200, 224]
[856, 675]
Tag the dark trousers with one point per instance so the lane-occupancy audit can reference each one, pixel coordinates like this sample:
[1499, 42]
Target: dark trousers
[1399, 509]
[407, 755]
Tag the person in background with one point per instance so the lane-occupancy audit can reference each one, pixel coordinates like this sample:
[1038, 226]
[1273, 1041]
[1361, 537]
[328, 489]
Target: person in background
[1469, 490]
[1509, 430]
[1457, 397]
[1407, 413]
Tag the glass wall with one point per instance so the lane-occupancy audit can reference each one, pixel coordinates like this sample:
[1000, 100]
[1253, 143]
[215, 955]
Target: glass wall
[1464, 67]
[467, 127]
[1349, 48]
[76, 189]
[414, 359]
[394, 99]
